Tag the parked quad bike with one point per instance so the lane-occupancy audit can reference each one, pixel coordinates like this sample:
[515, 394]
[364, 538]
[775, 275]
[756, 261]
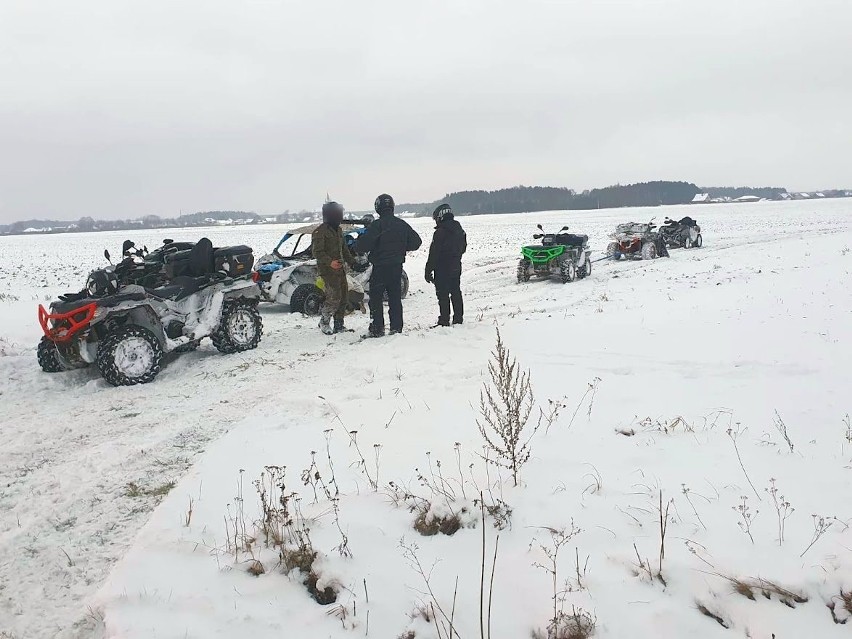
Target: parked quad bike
[289, 274]
[634, 240]
[125, 328]
[562, 255]
[684, 233]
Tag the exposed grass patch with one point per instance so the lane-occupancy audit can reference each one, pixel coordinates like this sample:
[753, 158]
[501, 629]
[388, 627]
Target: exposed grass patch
[429, 524]
[704, 610]
[135, 490]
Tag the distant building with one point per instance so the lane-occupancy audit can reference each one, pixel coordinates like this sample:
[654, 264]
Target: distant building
[701, 198]
[748, 198]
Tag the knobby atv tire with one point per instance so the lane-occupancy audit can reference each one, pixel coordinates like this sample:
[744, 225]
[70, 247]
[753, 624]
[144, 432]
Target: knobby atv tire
[48, 358]
[306, 299]
[567, 271]
[403, 288]
[698, 241]
[586, 269]
[649, 251]
[523, 271]
[106, 362]
[225, 340]
[612, 251]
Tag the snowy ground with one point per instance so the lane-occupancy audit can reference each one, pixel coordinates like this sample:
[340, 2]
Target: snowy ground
[723, 337]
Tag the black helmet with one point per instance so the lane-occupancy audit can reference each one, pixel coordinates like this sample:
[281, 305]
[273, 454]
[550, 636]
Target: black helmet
[442, 213]
[384, 204]
[332, 213]
[101, 282]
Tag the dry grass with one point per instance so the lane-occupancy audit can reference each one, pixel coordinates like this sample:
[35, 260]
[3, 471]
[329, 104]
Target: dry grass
[325, 596]
[704, 610]
[845, 600]
[579, 624]
[752, 586]
[429, 525]
[300, 558]
[135, 490]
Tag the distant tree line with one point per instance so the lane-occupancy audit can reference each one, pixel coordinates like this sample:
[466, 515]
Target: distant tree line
[202, 218]
[519, 199]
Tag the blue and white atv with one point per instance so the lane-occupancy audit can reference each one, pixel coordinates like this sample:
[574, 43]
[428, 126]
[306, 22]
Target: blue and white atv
[289, 274]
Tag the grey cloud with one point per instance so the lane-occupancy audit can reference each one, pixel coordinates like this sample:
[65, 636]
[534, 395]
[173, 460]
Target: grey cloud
[122, 109]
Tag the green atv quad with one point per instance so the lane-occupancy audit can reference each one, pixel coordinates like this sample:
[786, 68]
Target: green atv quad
[563, 255]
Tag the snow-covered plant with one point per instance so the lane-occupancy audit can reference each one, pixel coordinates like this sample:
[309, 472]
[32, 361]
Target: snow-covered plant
[848, 432]
[783, 509]
[734, 435]
[686, 493]
[559, 538]
[505, 408]
[746, 516]
[578, 624]
[781, 427]
[821, 526]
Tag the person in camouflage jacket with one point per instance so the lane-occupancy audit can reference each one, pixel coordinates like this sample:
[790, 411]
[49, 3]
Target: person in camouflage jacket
[331, 253]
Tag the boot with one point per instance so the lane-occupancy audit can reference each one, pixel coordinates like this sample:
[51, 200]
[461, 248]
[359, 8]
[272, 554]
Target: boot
[325, 326]
[338, 325]
[372, 331]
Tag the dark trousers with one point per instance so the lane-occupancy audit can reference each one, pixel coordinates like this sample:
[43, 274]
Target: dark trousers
[386, 278]
[448, 289]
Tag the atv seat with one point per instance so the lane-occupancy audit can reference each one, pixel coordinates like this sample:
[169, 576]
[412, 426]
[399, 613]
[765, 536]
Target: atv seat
[570, 239]
[180, 287]
[195, 262]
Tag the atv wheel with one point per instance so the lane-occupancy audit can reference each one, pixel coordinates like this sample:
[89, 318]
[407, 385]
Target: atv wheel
[403, 287]
[649, 251]
[586, 269]
[612, 251]
[240, 327]
[523, 271]
[129, 355]
[567, 271]
[48, 358]
[306, 299]
[698, 241]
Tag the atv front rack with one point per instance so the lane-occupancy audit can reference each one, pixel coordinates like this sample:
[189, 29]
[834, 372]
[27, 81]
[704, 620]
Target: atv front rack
[65, 325]
[542, 255]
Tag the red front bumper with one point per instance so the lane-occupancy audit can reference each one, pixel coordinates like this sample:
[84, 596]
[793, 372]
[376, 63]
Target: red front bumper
[65, 325]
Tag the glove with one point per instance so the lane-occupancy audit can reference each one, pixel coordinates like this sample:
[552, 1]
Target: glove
[429, 277]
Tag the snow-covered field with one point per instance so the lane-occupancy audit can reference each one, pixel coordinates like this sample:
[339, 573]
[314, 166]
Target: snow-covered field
[671, 376]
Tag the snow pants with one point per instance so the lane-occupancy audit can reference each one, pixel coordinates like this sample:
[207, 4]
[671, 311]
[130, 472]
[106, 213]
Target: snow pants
[386, 278]
[448, 290]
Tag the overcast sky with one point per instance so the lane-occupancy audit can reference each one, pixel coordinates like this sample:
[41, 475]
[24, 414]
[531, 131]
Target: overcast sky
[113, 108]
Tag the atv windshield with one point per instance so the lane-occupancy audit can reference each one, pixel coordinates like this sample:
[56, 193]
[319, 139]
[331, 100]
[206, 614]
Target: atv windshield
[296, 244]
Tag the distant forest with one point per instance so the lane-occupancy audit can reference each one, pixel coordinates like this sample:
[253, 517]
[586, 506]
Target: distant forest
[545, 198]
[517, 199]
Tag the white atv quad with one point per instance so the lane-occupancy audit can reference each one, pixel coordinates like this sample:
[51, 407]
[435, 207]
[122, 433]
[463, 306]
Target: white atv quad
[289, 274]
[126, 329]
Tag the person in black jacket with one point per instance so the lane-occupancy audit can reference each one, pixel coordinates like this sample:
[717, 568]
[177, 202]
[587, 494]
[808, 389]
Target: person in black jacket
[443, 267]
[386, 240]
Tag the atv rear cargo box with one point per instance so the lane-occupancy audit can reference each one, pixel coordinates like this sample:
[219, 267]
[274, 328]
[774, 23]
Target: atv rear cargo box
[234, 260]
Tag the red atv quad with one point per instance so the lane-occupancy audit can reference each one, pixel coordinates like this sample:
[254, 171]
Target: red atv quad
[634, 240]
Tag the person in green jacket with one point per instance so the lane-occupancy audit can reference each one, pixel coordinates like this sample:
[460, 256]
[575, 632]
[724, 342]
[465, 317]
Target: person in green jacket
[331, 253]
